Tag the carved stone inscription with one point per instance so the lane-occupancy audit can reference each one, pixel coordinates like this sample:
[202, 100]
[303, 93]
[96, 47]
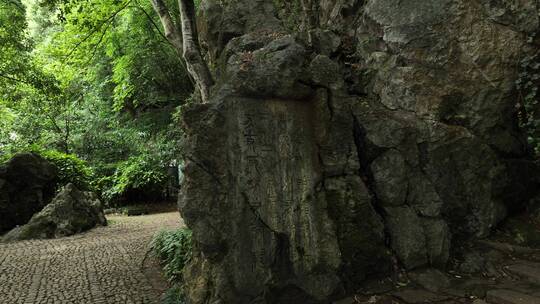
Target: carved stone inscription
[274, 158]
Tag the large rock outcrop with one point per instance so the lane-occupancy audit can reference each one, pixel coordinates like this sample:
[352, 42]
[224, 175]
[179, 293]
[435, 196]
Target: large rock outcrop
[72, 211]
[385, 130]
[27, 184]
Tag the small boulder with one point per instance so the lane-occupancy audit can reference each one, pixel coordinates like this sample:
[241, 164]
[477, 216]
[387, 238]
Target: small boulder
[71, 211]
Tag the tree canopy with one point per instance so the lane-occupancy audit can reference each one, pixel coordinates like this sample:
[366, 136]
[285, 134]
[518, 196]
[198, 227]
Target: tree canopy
[94, 78]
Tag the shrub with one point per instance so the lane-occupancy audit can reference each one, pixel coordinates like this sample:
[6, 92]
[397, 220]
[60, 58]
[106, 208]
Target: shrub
[174, 295]
[70, 168]
[137, 179]
[173, 248]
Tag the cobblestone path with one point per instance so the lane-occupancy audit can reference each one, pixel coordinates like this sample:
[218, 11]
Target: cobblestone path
[103, 265]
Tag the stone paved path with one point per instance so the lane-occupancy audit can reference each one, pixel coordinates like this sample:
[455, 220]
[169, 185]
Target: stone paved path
[103, 265]
[508, 274]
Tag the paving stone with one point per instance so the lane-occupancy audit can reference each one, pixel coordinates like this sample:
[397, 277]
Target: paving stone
[527, 270]
[503, 296]
[416, 296]
[100, 266]
[430, 279]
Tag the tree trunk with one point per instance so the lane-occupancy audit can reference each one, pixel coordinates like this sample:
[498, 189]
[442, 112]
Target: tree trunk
[192, 52]
[186, 43]
[171, 30]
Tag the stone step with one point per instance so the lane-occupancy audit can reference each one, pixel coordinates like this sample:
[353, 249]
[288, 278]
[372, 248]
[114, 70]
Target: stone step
[504, 296]
[528, 271]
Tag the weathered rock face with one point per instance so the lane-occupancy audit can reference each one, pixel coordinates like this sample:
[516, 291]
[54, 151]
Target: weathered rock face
[387, 133]
[71, 211]
[26, 186]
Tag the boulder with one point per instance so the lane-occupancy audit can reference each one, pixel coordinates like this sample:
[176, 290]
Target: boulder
[72, 211]
[27, 184]
[316, 166]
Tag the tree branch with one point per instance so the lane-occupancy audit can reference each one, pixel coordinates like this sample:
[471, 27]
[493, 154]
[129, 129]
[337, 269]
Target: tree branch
[309, 18]
[12, 79]
[138, 6]
[192, 51]
[98, 44]
[97, 29]
[171, 31]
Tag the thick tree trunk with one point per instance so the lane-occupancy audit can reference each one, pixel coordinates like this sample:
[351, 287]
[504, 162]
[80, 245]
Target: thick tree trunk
[196, 64]
[186, 43]
[171, 30]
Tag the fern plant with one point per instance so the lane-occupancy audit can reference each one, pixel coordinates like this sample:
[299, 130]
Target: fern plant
[173, 248]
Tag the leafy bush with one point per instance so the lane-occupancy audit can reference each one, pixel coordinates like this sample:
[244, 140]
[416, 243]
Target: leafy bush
[137, 179]
[174, 295]
[173, 248]
[70, 168]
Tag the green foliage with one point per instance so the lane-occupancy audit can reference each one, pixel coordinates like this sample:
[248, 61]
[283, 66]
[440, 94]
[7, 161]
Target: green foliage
[174, 295]
[70, 169]
[14, 47]
[135, 179]
[173, 248]
[529, 106]
[96, 79]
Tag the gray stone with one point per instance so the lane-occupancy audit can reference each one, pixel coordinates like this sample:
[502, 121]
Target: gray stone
[360, 230]
[326, 41]
[423, 197]
[27, 184]
[473, 262]
[430, 279]
[324, 71]
[71, 211]
[529, 271]
[438, 241]
[407, 236]
[390, 175]
[414, 296]
[251, 72]
[502, 296]
[309, 157]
